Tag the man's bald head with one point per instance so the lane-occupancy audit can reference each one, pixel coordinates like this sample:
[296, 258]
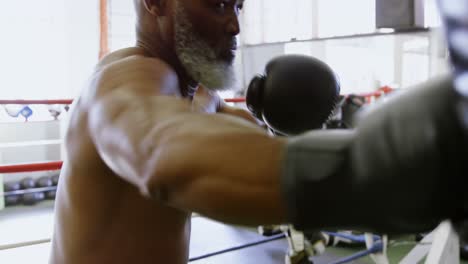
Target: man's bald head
[150, 13]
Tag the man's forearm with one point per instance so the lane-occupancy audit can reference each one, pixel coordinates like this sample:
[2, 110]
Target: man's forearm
[220, 166]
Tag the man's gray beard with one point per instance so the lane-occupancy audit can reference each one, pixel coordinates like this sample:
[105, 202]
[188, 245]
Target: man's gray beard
[199, 59]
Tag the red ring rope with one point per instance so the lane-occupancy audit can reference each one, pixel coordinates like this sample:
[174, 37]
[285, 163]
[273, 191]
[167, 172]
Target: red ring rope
[38, 102]
[33, 167]
[69, 101]
[235, 100]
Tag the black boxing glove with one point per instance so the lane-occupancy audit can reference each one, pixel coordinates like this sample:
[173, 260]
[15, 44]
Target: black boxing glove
[454, 16]
[401, 170]
[296, 94]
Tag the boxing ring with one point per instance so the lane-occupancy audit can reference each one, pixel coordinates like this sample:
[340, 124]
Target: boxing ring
[230, 245]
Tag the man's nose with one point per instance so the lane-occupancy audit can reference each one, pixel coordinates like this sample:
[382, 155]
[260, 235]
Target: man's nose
[233, 27]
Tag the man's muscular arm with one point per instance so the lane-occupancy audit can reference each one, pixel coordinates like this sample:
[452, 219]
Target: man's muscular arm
[221, 166]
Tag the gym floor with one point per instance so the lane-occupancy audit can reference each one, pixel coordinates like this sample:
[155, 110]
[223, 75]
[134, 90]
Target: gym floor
[24, 224]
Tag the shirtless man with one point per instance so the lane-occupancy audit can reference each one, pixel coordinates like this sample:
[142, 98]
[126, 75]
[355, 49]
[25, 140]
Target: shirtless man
[138, 98]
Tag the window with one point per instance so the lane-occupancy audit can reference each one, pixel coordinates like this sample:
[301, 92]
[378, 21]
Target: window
[269, 21]
[338, 17]
[415, 60]
[366, 63]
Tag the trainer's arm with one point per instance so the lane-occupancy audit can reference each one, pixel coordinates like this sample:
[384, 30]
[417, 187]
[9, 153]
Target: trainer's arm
[215, 164]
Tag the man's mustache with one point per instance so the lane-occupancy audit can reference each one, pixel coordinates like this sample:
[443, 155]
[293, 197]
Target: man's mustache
[229, 45]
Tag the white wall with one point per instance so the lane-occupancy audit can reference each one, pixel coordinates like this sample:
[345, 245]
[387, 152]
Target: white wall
[33, 48]
[48, 50]
[122, 24]
[83, 42]
[47, 47]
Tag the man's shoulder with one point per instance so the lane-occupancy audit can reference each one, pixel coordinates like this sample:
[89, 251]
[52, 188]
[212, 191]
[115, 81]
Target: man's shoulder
[120, 54]
[132, 68]
[133, 57]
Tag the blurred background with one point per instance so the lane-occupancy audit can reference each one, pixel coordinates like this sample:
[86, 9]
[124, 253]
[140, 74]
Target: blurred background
[49, 47]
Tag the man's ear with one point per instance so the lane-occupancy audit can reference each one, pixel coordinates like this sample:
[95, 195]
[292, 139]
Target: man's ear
[156, 7]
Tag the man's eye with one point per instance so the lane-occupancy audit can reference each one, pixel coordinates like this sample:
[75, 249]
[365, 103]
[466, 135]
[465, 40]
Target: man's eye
[221, 6]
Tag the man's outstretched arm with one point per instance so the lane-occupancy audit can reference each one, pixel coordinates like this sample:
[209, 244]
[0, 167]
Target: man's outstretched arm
[216, 164]
[401, 170]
